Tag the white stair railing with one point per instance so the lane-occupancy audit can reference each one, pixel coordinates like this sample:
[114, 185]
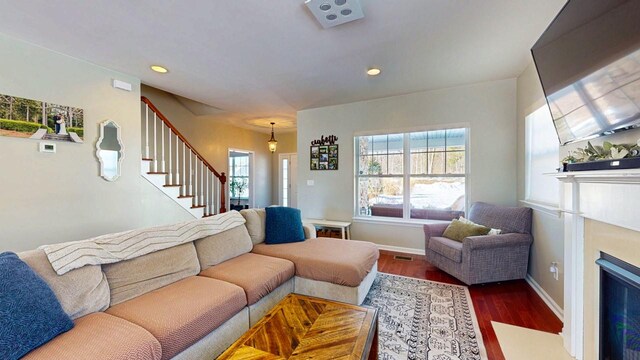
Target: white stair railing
[192, 175]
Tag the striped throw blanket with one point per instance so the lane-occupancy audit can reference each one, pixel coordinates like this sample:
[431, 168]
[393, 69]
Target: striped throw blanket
[112, 248]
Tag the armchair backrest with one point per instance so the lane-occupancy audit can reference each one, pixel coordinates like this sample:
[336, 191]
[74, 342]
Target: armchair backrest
[508, 219]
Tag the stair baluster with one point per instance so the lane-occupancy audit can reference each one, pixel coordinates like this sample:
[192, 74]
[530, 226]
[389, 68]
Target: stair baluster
[177, 174]
[146, 132]
[193, 178]
[162, 147]
[183, 188]
[155, 143]
[196, 190]
[170, 156]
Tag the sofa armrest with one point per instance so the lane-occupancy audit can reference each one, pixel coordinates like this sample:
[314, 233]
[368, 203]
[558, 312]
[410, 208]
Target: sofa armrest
[434, 229]
[309, 231]
[497, 241]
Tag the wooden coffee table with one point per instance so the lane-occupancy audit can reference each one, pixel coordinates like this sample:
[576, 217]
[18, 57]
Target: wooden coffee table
[303, 327]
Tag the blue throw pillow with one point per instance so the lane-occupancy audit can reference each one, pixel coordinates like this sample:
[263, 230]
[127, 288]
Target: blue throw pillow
[284, 225]
[30, 314]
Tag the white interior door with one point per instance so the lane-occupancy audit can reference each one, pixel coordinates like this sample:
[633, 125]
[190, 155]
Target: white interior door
[288, 184]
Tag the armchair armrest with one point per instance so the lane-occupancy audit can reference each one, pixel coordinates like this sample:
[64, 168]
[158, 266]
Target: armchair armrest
[497, 241]
[309, 231]
[434, 229]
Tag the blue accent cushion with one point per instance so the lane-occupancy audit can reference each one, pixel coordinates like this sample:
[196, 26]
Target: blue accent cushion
[284, 225]
[30, 314]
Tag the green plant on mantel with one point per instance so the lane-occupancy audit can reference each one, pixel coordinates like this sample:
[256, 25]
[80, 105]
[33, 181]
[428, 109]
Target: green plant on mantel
[605, 151]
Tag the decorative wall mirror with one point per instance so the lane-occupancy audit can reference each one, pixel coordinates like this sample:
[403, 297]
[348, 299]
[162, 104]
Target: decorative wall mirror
[110, 150]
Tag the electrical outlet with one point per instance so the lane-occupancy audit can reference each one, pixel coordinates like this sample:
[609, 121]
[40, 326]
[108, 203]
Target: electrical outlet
[554, 270]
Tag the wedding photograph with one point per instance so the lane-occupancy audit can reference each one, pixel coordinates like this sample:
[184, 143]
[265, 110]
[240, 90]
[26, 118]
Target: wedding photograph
[40, 120]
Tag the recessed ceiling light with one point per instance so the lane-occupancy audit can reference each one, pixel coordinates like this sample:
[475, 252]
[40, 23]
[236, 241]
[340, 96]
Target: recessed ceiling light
[374, 72]
[159, 69]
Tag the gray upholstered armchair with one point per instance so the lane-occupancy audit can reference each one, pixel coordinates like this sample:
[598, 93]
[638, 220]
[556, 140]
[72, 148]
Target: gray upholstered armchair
[489, 258]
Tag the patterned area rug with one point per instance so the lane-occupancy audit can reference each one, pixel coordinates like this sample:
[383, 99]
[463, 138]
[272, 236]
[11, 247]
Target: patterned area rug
[420, 319]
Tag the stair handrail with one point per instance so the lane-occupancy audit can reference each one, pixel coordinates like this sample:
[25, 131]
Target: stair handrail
[221, 176]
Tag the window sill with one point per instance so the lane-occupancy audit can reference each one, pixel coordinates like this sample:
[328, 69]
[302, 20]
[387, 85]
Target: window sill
[380, 220]
[552, 210]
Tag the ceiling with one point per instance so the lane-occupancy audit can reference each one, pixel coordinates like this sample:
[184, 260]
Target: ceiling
[256, 60]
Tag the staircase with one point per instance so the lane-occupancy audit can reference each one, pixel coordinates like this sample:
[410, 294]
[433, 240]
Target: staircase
[172, 164]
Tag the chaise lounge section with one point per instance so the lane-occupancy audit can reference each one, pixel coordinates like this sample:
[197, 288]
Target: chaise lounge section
[329, 268]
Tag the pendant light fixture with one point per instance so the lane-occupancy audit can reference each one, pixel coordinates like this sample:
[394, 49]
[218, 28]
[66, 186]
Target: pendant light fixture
[273, 143]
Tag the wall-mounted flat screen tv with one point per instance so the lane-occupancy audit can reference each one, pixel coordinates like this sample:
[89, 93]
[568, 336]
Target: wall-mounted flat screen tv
[588, 61]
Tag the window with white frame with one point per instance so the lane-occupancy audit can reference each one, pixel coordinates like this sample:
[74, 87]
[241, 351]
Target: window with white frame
[541, 156]
[413, 175]
[239, 163]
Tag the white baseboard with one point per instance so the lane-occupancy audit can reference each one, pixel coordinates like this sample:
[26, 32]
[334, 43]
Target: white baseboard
[557, 309]
[401, 249]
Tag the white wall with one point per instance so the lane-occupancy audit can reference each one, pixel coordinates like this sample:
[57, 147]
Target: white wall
[49, 198]
[547, 228]
[488, 108]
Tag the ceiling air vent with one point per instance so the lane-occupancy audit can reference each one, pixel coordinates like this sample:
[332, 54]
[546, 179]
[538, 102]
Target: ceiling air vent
[331, 13]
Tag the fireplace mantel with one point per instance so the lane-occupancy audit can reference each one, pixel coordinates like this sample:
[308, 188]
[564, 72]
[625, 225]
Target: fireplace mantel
[607, 196]
[626, 176]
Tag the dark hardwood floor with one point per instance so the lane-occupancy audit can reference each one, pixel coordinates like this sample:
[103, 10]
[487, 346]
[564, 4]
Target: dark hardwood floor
[511, 302]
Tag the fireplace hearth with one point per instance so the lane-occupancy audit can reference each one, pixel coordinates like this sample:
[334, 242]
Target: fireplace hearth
[619, 309]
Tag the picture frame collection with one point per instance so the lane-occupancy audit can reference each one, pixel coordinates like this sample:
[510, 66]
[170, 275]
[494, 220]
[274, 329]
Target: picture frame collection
[324, 154]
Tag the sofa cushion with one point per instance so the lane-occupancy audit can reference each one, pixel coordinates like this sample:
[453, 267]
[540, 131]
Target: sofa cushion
[214, 249]
[256, 222]
[100, 336]
[30, 314]
[342, 262]
[284, 225]
[448, 248]
[257, 274]
[80, 292]
[180, 314]
[508, 219]
[130, 278]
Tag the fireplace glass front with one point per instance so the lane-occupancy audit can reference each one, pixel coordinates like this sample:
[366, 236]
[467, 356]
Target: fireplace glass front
[619, 309]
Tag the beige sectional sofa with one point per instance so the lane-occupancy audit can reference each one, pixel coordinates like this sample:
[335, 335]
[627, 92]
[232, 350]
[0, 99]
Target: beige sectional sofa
[193, 300]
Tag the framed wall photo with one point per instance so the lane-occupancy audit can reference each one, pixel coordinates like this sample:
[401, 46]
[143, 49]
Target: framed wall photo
[324, 157]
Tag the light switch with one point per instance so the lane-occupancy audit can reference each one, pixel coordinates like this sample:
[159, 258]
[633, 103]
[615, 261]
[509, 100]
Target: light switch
[310, 182]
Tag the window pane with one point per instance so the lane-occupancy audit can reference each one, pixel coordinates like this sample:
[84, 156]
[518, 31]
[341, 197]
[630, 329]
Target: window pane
[368, 165]
[436, 140]
[455, 162]
[378, 165]
[418, 141]
[380, 196]
[456, 139]
[395, 164]
[380, 144]
[541, 156]
[445, 195]
[419, 163]
[365, 145]
[395, 144]
[435, 163]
